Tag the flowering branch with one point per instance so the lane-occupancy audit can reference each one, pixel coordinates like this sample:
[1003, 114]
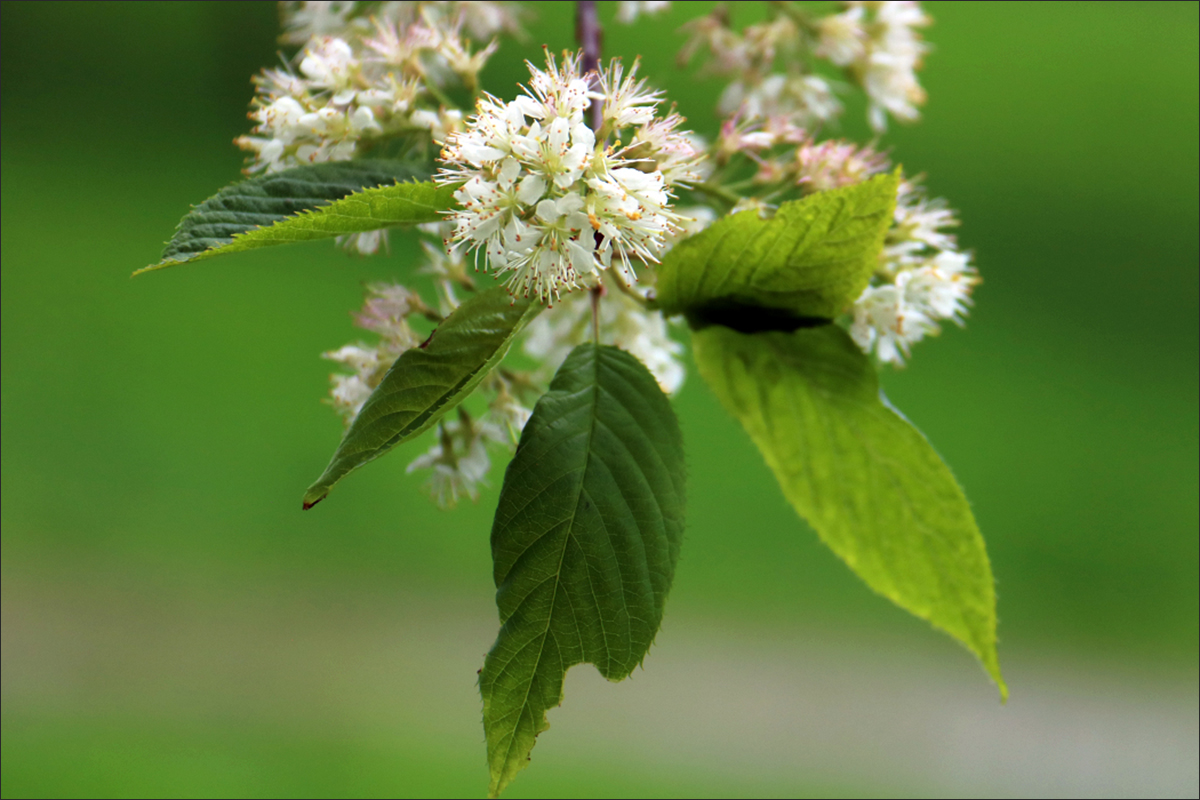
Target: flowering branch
[567, 194]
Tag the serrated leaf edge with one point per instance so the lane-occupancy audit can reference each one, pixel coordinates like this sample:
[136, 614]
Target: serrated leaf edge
[322, 209]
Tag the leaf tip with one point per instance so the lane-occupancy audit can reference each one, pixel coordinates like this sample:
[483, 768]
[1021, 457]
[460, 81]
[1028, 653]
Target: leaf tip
[166, 262]
[993, 670]
[990, 661]
[311, 498]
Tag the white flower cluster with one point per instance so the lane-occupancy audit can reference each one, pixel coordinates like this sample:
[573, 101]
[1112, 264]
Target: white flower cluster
[875, 43]
[307, 19]
[374, 80]
[835, 163]
[547, 200]
[385, 313]
[786, 155]
[459, 461]
[629, 10]
[878, 44]
[553, 203]
[348, 19]
[923, 279]
[755, 89]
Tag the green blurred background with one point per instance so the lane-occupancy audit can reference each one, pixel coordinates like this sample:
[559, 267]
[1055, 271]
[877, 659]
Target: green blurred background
[173, 624]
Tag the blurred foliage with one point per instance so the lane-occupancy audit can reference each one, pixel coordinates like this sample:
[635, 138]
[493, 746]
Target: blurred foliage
[162, 429]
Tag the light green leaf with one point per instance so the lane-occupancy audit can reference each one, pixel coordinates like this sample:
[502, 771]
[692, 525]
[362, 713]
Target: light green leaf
[585, 542]
[428, 381]
[811, 259]
[866, 480]
[305, 203]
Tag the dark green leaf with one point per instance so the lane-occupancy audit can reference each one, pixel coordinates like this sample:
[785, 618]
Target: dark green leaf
[869, 483]
[305, 203]
[585, 542]
[812, 258]
[428, 381]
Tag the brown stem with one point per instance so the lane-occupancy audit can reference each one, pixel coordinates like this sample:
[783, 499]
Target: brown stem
[590, 36]
[597, 292]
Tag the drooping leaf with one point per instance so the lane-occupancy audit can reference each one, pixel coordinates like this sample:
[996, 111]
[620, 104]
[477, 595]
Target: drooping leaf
[428, 381]
[585, 542]
[317, 201]
[866, 480]
[811, 259]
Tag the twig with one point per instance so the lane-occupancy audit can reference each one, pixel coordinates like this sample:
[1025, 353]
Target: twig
[718, 191]
[626, 289]
[590, 36]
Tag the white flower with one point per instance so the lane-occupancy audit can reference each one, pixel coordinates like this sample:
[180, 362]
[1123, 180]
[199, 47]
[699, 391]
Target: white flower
[884, 322]
[304, 20]
[357, 88]
[805, 100]
[348, 19]
[834, 163]
[815, 100]
[842, 36]
[448, 269]
[644, 335]
[942, 288]
[730, 52]
[883, 52]
[741, 134]
[364, 244]
[356, 356]
[429, 47]
[681, 158]
[627, 99]
[459, 461]
[385, 313]
[329, 63]
[923, 279]
[629, 10]
[917, 227]
[487, 19]
[547, 205]
[348, 394]
[509, 412]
